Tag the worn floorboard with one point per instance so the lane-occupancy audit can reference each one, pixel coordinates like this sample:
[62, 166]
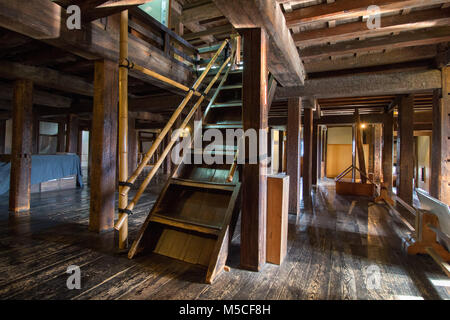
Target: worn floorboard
[338, 248]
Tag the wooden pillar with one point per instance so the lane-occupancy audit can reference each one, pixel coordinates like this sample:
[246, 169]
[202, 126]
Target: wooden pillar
[436, 145]
[445, 148]
[325, 150]
[319, 152]
[354, 152]
[405, 145]
[387, 149]
[72, 133]
[22, 135]
[61, 136]
[104, 138]
[35, 135]
[254, 180]
[315, 154]
[132, 146]
[440, 146]
[377, 152]
[370, 135]
[307, 151]
[360, 147]
[2, 136]
[294, 128]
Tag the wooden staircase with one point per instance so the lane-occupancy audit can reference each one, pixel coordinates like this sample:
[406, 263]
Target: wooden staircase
[195, 215]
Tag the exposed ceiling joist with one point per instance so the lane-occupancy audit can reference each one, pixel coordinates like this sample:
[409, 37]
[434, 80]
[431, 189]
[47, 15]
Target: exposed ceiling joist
[366, 85]
[283, 58]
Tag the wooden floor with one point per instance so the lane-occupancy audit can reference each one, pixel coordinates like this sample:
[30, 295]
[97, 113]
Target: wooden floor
[331, 246]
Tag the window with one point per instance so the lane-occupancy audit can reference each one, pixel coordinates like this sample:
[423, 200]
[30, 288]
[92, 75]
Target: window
[48, 137]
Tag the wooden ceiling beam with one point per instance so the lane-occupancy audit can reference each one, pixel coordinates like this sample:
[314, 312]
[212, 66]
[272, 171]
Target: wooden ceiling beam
[46, 77]
[395, 56]
[39, 97]
[283, 58]
[201, 12]
[92, 42]
[404, 39]
[398, 23]
[210, 31]
[366, 85]
[346, 9]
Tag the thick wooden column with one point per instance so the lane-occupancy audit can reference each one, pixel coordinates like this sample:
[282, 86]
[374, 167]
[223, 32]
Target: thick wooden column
[387, 149]
[315, 154]
[294, 128]
[61, 136]
[405, 153]
[254, 180]
[35, 135]
[307, 151]
[360, 147]
[442, 121]
[436, 146]
[72, 133]
[377, 152]
[370, 134]
[104, 148]
[22, 135]
[2, 136]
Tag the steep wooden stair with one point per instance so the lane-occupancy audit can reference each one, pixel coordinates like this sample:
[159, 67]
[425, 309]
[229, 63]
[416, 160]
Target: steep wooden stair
[195, 215]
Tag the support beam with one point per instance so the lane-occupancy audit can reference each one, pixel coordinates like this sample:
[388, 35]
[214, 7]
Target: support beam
[360, 147]
[42, 98]
[2, 136]
[365, 85]
[405, 147]
[46, 77]
[293, 155]
[404, 39]
[354, 30]
[387, 149]
[104, 151]
[347, 9]
[284, 61]
[61, 136]
[254, 180]
[307, 151]
[315, 154]
[72, 133]
[394, 56]
[436, 145]
[91, 42]
[20, 178]
[199, 13]
[445, 136]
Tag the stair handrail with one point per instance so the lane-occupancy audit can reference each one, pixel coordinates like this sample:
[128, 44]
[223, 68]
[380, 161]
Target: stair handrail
[191, 91]
[167, 149]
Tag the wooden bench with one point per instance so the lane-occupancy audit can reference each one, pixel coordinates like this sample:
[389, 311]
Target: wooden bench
[432, 231]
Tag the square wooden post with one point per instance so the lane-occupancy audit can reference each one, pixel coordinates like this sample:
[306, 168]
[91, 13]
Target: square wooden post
[387, 149]
[436, 146]
[307, 151]
[315, 156]
[2, 136]
[22, 135]
[405, 145]
[294, 128]
[254, 179]
[72, 133]
[277, 217]
[445, 137]
[61, 136]
[104, 148]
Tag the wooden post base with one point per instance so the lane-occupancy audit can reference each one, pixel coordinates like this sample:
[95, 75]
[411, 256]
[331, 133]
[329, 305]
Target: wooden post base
[427, 238]
[384, 195]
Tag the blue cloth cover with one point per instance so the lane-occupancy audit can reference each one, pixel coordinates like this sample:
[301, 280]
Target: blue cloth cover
[45, 168]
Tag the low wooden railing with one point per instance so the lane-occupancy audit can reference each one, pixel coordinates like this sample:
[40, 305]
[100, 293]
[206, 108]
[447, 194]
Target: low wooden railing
[148, 29]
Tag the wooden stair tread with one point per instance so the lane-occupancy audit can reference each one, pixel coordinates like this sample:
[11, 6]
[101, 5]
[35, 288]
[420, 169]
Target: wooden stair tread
[203, 184]
[223, 126]
[186, 224]
[227, 104]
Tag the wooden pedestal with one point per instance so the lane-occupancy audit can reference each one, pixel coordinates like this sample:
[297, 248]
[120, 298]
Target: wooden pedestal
[277, 218]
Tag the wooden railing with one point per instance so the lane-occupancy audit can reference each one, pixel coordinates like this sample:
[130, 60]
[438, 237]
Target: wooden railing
[145, 28]
[125, 210]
